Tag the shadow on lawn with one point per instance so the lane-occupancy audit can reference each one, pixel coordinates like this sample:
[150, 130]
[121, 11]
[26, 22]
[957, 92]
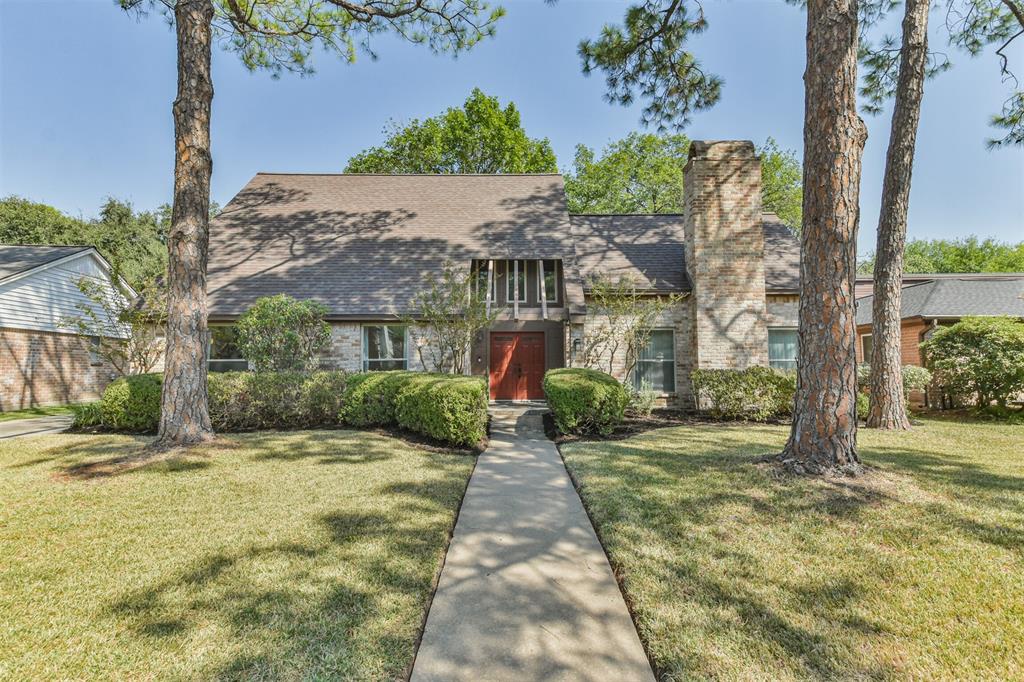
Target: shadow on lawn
[700, 493]
[346, 604]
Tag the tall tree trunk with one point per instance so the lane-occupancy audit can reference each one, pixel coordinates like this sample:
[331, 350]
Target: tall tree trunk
[888, 404]
[184, 416]
[824, 432]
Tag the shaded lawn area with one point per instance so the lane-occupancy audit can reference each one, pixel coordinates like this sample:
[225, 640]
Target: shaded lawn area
[268, 556]
[30, 412]
[735, 572]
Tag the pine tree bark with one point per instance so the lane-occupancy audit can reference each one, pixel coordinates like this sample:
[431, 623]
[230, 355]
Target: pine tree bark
[888, 404]
[823, 437]
[184, 415]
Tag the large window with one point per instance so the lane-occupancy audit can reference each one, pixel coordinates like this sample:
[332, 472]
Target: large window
[865, 344]
[550, 281]
[515, 273]
[656, 366]
[224, 353]
[385, 347]
[782, 348]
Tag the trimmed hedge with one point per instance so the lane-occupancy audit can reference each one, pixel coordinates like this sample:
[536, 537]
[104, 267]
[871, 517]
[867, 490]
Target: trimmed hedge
[246, 401]
[755, 393]
[448, 408]
[132, 403]
[585, 400]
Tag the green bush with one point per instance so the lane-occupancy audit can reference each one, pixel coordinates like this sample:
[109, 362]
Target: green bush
[279, 333]
[132, 403]
[914, 378]
[448, 408]
[585, 400]
[87, 415]
[755, 393]
[243, 401]
[979, 359]
[370, 397]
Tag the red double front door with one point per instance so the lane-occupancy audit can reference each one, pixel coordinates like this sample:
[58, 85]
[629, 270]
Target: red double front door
[517, 365]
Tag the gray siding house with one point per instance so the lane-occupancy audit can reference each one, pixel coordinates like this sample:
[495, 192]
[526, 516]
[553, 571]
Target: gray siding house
[362, 245]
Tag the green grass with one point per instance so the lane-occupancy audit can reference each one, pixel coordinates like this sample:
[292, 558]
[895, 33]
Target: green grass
[736, 572]
[30, 412]
[263, 556]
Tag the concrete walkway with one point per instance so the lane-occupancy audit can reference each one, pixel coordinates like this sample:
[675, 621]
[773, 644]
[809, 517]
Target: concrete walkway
[36, 426]
[526, 592]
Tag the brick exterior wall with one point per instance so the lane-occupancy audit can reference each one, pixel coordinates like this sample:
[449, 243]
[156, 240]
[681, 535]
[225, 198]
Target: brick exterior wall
[911, 337]
[42, 368]
[345, 351]
[782, 310]
[725, 255]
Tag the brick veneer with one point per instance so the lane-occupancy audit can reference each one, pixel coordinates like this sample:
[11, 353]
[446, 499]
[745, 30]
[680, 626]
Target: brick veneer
[42, 368]
[725, 254]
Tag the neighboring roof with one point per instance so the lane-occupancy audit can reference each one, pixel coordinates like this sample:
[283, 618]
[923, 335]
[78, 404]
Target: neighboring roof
[361, 244]
[951, 297]
[781, 256]
[18, 259]
[648, 248]
[865, 283]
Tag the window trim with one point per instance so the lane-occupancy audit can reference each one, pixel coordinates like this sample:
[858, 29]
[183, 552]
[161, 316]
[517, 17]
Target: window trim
[209, 351]
[675, 367]
[365, 360]
[483, 272]
[95, 348]
[796, 359]
[540, 283]
[510, 280]
[865, 356]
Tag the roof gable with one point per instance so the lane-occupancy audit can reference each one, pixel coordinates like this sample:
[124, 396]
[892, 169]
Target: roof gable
[22, 259]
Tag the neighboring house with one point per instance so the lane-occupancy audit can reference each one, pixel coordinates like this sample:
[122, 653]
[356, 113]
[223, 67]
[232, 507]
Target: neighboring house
[362, 244]
[43, 360]
[929, 301]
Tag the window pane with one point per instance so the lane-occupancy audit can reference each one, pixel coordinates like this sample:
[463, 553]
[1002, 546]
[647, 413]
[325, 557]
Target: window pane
[659, 346]
[782, 348]
[510, 280]
[383, 365]
[384, 342]
[224, 343]
[228, 366]
[866, 343]
[481, 280]
[656, 367]
[551, 280]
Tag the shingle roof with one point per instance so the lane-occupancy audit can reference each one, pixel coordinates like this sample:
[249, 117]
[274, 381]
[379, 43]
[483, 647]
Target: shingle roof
[361, 244]
[781, 256]
[18, 259]
[955, 298]
[648, 248]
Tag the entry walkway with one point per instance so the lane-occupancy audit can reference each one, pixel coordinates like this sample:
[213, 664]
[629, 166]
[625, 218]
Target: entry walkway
[526, 592]
[36, 426]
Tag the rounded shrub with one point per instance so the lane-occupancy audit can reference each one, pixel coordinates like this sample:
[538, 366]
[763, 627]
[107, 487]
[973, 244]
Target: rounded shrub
[369, 398]
[445, 407]
[585, 400]
[245, 401]
[133, 403]
[755, 393]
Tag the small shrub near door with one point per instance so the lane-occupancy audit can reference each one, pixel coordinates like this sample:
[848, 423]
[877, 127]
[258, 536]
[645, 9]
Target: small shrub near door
[132, 403]
[754, 393]
[585, 400]
[448, 408]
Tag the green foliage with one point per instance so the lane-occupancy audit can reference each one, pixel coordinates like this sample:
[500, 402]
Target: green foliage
[132, 403]
[87, 415]
[755, 393]
[133, 242]
[648, 56]
[863, 406]
[279, 333]
[979, 358]
[967, 254]
[914, 377]
[480, 137]
[585, 400]
[448, 408]
[643, 173]
[244, 401]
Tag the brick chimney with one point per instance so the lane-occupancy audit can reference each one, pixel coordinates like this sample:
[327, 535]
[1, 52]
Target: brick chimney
[725, 254]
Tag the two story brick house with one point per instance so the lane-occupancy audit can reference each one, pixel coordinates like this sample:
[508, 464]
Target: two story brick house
[362, 245]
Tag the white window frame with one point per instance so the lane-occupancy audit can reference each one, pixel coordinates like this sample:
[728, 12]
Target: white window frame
[95, 356]
[540, 280]
[363, 346]
[484, 274]
[510, 280]
[796, 359]
[675, 368]
[209, 349]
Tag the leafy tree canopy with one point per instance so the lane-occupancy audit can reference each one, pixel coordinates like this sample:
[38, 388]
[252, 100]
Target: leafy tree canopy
[643, 173]
[479, 137]
[133, 242]
[969, 254]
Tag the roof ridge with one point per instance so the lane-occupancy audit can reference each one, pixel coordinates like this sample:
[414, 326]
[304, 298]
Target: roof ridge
[52, 246]
[418, 175]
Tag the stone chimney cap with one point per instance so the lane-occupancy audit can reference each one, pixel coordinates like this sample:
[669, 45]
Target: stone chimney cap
[721, 149]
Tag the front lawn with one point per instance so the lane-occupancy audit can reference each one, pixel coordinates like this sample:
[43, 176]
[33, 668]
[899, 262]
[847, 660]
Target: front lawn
[736, 572]
[32, 412]
[267, 556]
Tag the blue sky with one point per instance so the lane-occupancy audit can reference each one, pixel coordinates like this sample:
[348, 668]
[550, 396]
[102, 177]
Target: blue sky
[85, 106]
